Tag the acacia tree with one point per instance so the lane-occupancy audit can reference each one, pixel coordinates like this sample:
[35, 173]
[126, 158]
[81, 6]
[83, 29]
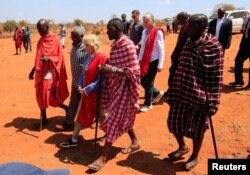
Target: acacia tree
[9, 25]
[51, 25]
[226, 6]
[78, 22]
[23, 23]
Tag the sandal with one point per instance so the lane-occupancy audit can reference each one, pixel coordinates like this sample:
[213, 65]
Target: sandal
[132, 148]
[95, 166]
[103, 138]
[177, 154]
[190, 164]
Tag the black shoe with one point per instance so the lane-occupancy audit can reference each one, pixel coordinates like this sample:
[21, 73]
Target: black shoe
[69, 143]
[235, 84]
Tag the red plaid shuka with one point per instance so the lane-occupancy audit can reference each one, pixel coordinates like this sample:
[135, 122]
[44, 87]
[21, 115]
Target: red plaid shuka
[200, 67]
[121, 92]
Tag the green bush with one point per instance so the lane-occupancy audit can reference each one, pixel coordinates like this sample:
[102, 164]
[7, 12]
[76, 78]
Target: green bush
[9, 25]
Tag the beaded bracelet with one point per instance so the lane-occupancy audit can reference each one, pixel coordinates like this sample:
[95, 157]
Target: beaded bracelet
[114, 69]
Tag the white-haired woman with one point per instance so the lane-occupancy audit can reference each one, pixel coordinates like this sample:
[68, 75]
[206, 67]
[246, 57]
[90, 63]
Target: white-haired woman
[88, 85]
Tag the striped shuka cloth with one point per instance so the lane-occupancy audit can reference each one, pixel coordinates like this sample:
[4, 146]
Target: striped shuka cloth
[121, 92]
[200, 70]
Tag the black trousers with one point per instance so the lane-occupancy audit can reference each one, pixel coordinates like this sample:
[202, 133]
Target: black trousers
[241, 57]
[74, 101]
[147, 82]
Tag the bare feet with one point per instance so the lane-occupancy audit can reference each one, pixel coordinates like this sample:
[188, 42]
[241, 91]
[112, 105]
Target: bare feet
[178, 153]
[97, 165]
[132, 148]
[191, 163]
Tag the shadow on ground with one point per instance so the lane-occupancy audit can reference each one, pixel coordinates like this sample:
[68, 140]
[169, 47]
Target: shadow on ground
[84, 154]
[33, 123]
[238, 90]
[150, 163]
[231, 70]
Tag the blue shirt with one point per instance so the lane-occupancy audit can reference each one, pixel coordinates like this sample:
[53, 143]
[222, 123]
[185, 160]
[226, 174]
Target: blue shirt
[92, 86]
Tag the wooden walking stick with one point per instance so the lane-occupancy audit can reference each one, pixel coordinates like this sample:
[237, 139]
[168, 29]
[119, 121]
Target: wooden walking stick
[213, 136]
[41, 117]
[249, 73]
[211, 127]
[98, 113]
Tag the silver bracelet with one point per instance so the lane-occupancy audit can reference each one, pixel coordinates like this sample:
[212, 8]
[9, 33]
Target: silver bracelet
[114, 69]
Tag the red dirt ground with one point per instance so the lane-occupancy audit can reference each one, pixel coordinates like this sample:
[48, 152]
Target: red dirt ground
[19, 111]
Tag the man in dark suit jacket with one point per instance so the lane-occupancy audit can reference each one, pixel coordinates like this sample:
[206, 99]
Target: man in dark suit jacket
[242, 55]
[221, 28]
[182, 19]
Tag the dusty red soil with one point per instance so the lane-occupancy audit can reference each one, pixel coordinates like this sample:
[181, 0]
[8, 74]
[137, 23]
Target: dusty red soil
[19, 111]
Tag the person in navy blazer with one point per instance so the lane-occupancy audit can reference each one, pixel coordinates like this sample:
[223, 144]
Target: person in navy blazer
[221, 28]
[242, 55]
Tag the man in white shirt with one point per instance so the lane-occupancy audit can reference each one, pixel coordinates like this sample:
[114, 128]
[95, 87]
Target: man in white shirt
[151, 59]
[62, 35]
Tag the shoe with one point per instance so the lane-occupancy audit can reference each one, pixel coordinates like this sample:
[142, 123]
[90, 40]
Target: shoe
[146, 108]
[69, 143]
[235, 84]
[157, 99]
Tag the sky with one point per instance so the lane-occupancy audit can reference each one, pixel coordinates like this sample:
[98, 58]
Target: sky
[63, 11]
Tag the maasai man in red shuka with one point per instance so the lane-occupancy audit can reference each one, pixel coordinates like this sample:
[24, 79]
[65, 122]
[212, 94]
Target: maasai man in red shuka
[88, 85]
[18, 38]
[50, 79]
[120, 92]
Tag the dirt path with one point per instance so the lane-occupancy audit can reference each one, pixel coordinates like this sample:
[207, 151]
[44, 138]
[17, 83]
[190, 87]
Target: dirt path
[19, 111]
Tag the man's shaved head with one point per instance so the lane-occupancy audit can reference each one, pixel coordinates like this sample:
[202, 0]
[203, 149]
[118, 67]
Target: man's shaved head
[197, 25]
[43, 27]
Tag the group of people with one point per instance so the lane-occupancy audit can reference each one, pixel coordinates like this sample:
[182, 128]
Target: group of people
[109, 87]
[22, 36]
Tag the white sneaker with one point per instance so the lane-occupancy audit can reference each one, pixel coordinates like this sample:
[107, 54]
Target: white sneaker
[146, 108]
[157, 99]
